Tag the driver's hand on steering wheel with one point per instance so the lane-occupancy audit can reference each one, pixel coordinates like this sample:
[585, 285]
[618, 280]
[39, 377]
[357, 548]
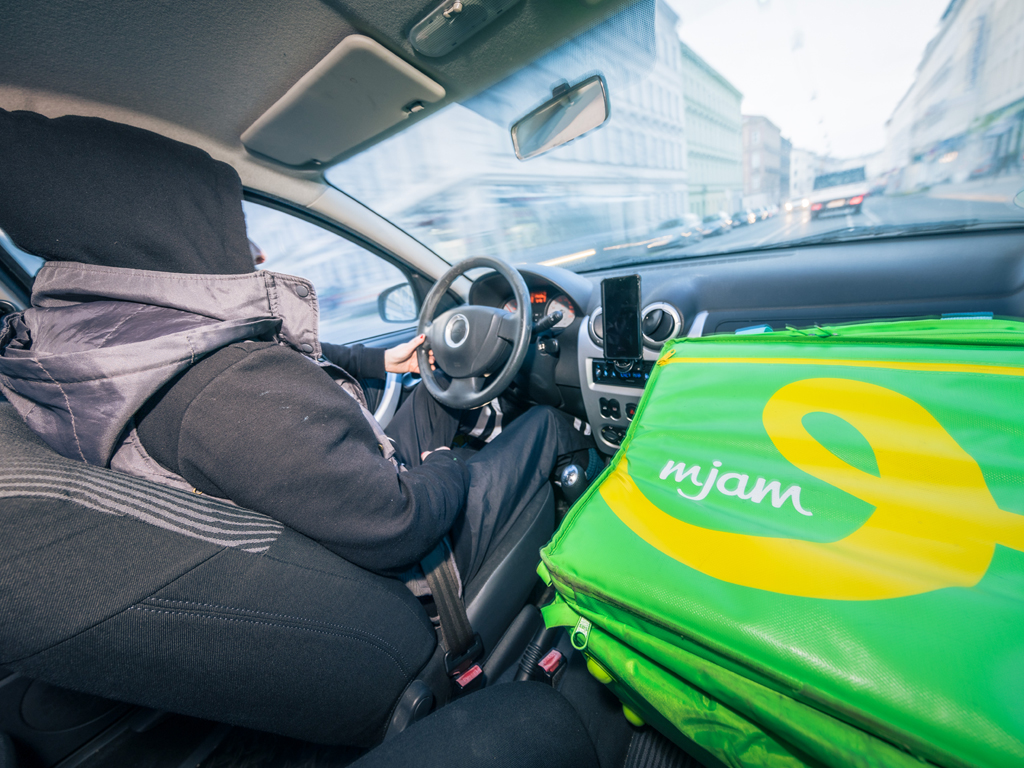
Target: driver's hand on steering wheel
[402, 359]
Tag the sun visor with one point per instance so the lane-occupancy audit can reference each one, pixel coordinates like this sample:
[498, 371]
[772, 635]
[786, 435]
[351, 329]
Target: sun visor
[357, 91]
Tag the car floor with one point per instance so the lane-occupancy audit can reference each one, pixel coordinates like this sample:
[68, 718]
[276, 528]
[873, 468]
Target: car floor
[145, 739]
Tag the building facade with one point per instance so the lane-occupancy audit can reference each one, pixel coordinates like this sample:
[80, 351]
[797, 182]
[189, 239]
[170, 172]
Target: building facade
[714, 137]
[785, 164]
[803, 167]
[473, 197]
[963, 117]
[762, 162]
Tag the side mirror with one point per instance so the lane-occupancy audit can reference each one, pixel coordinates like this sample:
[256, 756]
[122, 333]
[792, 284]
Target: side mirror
[398, 304]
[570, 114]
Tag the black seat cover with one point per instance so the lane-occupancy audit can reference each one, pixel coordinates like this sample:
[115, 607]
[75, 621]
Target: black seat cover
[121, 588]
[503, 584]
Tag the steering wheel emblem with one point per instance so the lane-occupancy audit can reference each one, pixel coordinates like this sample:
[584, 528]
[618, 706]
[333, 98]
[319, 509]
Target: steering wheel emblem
[457, 331]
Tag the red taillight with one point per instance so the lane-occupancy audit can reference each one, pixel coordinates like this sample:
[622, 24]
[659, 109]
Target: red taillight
[856, 200]
[816, 207]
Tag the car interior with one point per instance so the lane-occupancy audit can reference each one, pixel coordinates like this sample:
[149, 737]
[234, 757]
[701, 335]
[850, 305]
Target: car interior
[281, 92]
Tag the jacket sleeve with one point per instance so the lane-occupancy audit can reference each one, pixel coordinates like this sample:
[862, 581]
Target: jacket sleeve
[274, 433]
[362, 362]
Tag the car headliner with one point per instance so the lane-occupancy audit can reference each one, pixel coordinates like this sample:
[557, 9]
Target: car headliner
[202, 72]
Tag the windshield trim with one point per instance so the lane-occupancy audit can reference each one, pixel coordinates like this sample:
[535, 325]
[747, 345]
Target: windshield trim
[925, 232]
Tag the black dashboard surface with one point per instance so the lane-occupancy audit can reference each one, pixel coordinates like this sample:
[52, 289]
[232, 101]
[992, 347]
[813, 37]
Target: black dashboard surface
[880, 279]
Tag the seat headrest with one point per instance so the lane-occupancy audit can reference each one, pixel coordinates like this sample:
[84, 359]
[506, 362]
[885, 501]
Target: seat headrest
[88, 190]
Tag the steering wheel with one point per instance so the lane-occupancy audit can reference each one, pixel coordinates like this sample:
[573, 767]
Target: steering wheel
[471, 341]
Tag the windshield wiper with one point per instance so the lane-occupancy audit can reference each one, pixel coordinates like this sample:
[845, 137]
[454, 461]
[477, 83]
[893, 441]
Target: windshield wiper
[848, 234]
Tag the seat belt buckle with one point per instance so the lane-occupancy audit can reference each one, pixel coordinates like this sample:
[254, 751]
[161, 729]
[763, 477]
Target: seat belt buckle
[551, 668]
[456, 665]
[469, 680]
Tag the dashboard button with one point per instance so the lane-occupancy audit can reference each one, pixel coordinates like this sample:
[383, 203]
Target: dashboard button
[630, 410]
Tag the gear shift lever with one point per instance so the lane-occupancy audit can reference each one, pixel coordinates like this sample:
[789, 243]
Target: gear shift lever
[573, 481]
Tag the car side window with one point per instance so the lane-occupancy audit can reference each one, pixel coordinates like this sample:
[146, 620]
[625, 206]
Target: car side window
[347, 277]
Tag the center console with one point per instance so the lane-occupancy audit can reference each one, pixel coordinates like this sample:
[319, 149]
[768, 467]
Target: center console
[611, 390]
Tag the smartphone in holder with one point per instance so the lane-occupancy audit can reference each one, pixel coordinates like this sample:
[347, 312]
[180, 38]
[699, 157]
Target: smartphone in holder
[620, 307]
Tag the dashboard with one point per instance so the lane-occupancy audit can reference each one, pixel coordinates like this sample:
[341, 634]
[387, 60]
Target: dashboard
[886, 278]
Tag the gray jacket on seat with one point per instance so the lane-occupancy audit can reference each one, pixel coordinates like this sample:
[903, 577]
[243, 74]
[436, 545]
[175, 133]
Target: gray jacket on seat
[99, 342]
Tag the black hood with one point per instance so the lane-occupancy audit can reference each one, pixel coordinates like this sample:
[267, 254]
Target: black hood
[88, 190]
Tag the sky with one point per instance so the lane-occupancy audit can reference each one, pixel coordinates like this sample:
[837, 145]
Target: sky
[828, 72]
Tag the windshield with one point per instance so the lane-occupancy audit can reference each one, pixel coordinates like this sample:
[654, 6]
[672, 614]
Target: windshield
[839, 179]
[736, 125]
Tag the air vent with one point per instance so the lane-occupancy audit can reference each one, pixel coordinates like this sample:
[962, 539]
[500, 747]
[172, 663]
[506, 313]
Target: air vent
[596, 327]
[661, 322]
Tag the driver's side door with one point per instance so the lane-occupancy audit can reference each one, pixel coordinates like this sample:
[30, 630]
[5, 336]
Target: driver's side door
[363, 296]
[348, 277]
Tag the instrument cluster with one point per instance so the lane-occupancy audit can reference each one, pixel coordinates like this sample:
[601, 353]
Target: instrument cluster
[544, 303]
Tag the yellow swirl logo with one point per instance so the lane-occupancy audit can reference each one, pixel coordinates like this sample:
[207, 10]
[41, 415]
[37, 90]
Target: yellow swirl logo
[935, 523]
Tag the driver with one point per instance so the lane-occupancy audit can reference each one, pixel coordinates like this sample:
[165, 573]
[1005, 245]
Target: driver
[153, 346]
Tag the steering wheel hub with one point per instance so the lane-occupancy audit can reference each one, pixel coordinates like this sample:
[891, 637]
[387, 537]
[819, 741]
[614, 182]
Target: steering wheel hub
[456, 331]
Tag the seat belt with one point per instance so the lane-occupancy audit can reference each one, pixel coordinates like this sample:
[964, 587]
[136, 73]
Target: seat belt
[462, 646]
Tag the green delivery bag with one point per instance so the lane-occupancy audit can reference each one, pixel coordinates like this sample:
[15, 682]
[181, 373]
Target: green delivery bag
[810, 548]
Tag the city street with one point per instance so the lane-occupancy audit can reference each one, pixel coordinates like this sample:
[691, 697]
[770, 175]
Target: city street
[990, 203]
[938, 205]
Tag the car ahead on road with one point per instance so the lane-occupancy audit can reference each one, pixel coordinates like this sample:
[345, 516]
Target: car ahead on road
[839, 192]
[796, 205]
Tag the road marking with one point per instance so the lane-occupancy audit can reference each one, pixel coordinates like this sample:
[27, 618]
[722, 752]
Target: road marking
[778, 233]
[971, 197]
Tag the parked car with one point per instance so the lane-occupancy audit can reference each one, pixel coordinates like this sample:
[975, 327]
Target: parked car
[744, 217]
[716, 224]
[679, 231]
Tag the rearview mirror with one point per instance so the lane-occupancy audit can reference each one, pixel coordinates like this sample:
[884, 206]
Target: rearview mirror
[570, 114]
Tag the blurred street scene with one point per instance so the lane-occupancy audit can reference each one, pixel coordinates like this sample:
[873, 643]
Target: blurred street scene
[731, 124]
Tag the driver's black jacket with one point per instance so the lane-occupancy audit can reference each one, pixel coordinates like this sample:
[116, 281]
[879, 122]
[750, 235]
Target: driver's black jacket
[254, 424]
